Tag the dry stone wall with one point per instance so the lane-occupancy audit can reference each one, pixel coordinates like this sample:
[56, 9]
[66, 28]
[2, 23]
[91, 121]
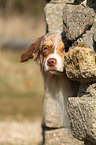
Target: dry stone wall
[77, 20]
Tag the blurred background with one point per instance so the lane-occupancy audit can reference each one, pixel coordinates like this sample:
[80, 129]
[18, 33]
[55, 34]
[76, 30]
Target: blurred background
[21, 84]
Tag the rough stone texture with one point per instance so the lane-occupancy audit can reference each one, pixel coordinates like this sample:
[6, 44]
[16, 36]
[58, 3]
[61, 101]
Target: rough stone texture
[60, 137]
[54, 14]
[86, 40]
[62, 1]
[77, 19]
[80, 64]
[87, 90]
[82, 114]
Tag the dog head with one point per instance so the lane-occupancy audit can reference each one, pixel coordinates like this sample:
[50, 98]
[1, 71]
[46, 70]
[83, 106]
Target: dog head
[48, 51]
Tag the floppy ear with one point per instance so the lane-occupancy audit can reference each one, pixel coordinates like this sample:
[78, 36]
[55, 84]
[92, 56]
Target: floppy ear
[33, 51]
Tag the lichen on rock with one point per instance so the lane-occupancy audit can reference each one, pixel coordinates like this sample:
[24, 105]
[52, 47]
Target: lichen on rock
[80, 64]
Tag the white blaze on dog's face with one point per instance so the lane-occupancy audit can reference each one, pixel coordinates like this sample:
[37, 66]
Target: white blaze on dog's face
[52, 53]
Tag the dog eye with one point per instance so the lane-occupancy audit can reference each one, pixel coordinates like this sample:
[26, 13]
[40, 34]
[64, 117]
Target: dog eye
[45, 48]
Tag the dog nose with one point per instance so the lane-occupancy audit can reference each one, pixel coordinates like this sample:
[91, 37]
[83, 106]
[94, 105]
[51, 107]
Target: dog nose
[51, 62]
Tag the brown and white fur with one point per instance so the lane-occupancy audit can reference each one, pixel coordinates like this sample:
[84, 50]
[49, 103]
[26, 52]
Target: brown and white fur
[49, 52]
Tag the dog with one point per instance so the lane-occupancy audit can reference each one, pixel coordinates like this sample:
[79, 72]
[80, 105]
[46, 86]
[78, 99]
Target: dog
[49, 52]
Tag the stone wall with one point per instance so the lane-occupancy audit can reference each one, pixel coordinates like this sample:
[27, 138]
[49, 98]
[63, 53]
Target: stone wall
[77, 19]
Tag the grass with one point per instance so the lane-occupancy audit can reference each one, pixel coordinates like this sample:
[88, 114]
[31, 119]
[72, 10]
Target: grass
[21, 88]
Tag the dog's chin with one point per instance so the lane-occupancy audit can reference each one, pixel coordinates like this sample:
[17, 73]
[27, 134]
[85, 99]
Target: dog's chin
[54, 71]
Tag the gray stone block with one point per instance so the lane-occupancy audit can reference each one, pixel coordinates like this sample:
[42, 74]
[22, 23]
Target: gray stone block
[54, 14]
[85, 40]
[87, 90]
[88, 39]
[79, 24]
[60, 137]
[77, 20]
[82, 114]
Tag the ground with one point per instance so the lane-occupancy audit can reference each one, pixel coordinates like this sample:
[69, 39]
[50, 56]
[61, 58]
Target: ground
[20, 133]
[21, 95]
